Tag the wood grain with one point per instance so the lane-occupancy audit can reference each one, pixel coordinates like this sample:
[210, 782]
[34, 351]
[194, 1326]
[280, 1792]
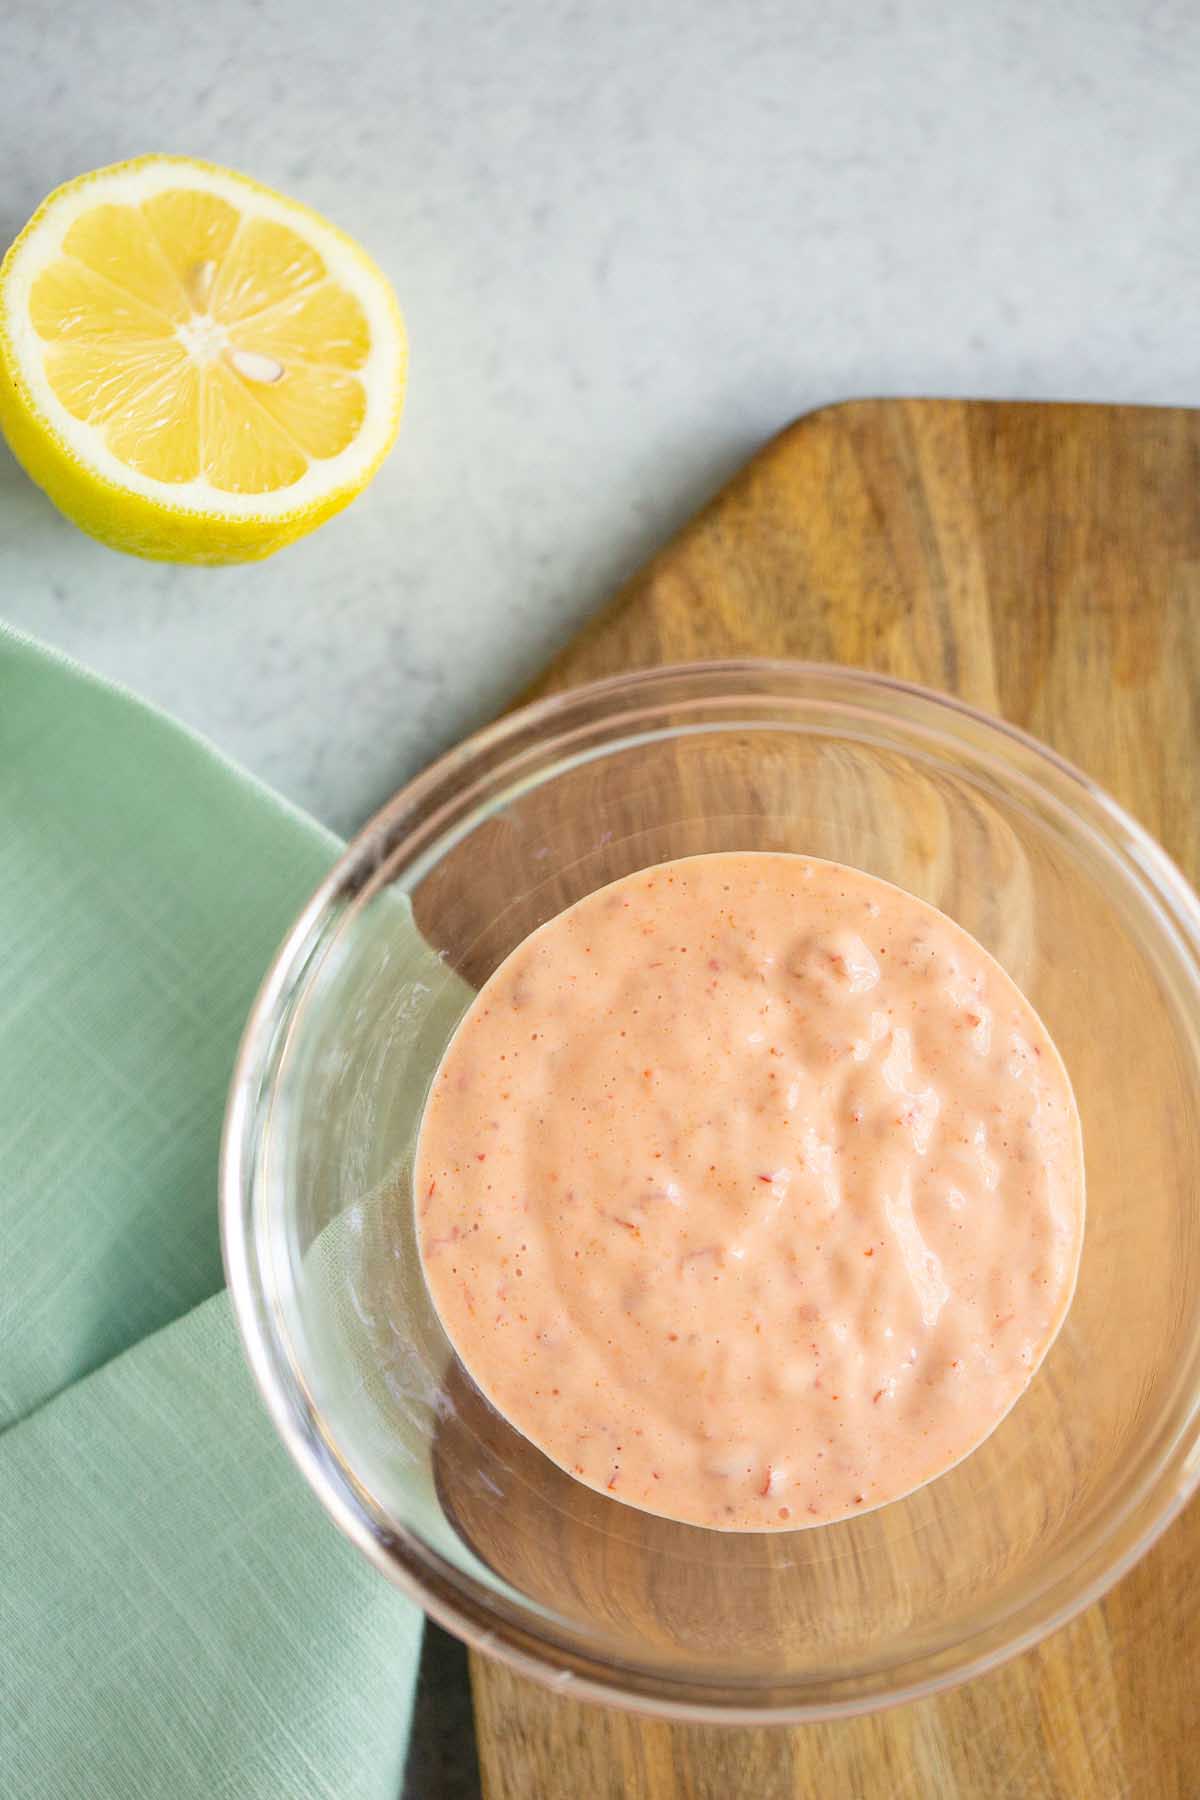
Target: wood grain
[1042, 562]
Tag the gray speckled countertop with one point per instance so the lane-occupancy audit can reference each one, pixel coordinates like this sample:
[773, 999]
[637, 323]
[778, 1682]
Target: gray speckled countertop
[631, 240]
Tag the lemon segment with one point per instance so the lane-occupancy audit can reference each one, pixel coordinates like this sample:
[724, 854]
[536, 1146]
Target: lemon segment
[192, 366]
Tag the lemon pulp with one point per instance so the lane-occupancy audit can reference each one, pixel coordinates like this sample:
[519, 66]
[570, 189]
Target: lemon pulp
[195, 347]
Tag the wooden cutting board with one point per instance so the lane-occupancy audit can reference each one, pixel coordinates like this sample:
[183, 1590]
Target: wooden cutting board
[1043, 562]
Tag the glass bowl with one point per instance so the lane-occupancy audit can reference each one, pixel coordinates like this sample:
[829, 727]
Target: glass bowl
[1082, 909]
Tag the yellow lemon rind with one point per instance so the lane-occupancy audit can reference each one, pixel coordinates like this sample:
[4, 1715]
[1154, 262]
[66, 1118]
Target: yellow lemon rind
[138, 523]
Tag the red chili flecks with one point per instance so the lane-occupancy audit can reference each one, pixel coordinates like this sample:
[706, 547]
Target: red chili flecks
[612, 1480]
[713, 1250]
[481, 1156]
[877, 1396]
[766, 1482]
[868, 1252]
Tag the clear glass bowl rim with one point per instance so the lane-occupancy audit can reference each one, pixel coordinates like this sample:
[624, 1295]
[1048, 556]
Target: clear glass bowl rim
[445, 1593]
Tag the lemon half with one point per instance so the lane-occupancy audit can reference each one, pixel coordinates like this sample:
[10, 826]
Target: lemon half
[193, 367]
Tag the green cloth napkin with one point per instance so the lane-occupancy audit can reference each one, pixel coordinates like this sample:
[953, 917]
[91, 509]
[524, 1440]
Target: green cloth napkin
[177, 1615]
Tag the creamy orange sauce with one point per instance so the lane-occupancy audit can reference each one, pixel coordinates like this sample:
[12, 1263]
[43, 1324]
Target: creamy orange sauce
[750, 1189]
